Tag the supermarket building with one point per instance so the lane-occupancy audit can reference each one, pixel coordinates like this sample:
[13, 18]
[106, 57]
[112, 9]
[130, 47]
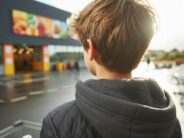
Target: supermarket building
[33, 36]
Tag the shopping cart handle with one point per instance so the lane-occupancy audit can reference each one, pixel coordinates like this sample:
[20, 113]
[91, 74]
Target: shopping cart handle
[18, 123]
[27, 136]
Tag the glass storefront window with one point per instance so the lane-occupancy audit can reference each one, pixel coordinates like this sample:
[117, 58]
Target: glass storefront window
[1, 54]
[1, 60]
[65, 54]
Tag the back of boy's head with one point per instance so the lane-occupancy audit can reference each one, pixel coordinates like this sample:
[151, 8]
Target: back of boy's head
[120, 31]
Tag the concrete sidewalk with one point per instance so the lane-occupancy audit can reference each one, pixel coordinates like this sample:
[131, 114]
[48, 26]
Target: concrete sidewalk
[24, 77]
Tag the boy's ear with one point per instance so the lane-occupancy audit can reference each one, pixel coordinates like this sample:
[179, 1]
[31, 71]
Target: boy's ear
[91, 50]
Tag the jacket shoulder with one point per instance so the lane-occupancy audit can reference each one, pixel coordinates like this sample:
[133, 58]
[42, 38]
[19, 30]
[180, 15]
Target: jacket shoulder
[62, 111]
[58, 121]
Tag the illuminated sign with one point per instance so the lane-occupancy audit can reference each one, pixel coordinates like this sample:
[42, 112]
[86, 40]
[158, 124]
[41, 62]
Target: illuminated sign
[38, 26]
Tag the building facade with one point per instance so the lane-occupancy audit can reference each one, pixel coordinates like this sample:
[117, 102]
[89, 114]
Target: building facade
[27, 28]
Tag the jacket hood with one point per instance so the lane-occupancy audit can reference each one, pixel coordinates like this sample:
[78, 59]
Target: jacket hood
[133, 108]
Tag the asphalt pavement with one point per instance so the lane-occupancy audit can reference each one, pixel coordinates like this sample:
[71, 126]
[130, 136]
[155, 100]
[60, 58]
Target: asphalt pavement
[32, 100]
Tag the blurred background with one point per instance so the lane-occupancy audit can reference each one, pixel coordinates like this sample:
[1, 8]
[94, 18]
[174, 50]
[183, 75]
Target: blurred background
[40, 63]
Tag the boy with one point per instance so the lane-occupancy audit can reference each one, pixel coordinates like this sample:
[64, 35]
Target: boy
[115, 35]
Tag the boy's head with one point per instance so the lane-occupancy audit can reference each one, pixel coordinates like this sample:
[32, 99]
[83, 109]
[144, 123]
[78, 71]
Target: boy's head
[118, 30]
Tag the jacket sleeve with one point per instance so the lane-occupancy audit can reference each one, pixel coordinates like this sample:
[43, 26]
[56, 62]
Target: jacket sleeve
[177, 131]
[48, 129]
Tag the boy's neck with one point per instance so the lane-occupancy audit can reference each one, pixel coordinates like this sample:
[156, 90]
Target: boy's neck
[102, 73]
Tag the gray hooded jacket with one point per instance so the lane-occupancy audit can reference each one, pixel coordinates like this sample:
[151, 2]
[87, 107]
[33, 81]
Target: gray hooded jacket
[136, 108]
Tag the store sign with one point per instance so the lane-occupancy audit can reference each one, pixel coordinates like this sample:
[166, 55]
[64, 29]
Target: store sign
[8, 50]
[9, 60]
[45, 54]
[29, 24]
[46, 59]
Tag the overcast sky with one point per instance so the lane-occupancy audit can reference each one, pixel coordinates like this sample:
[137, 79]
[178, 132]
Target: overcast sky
[171, 16]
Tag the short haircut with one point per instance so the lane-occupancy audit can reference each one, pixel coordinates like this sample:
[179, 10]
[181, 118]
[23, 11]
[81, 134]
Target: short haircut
[120, 31]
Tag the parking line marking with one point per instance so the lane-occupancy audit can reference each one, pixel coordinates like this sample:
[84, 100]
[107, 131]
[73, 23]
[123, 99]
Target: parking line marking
[19, 99]
[36, 92]
[52, 90]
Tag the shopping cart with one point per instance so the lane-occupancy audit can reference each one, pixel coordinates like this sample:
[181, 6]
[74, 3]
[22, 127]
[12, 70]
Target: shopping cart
[21, 129]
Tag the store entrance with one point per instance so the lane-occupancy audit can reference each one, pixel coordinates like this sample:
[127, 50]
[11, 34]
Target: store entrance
[23, 58]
